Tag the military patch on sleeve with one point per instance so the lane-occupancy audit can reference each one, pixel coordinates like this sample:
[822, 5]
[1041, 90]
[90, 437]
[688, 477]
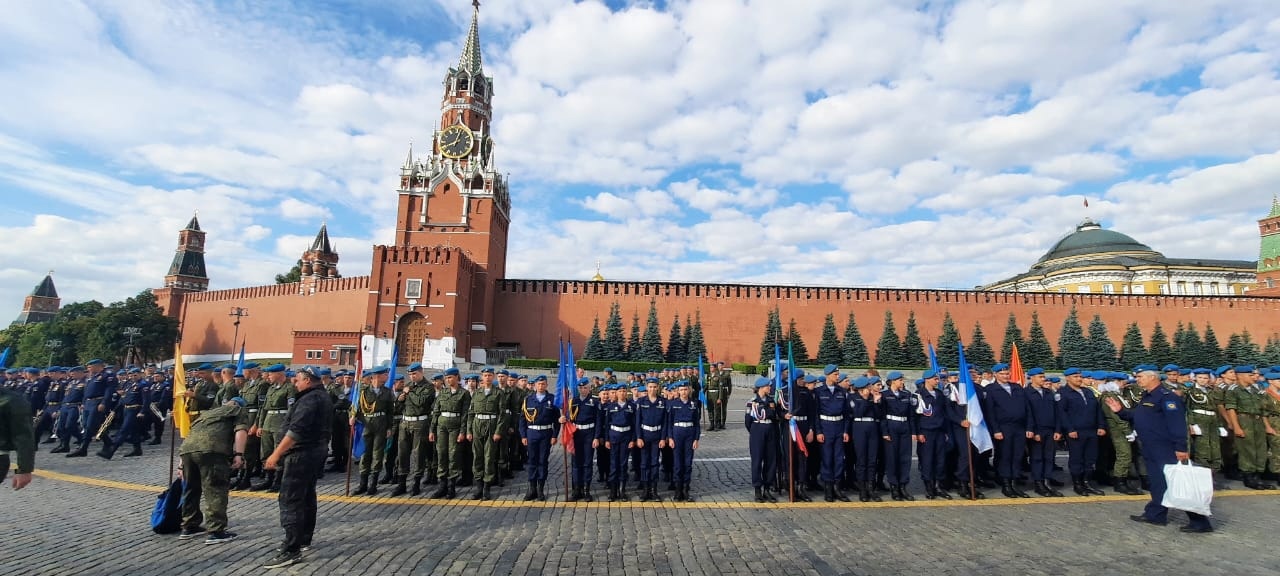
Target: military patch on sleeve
[1170, 405]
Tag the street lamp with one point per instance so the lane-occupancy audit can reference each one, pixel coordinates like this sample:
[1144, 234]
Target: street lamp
[132, 332]
[238, 313]
[52, 344]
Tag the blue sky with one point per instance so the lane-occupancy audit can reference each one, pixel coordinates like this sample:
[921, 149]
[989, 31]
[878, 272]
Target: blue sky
[837, 142]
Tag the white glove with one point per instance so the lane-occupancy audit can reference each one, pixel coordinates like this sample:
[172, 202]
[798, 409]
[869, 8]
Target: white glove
[1222, 432]
[1132, 436]
[1195, 430]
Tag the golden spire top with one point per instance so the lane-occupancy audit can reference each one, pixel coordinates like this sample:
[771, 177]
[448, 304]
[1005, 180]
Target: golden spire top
[597, 277]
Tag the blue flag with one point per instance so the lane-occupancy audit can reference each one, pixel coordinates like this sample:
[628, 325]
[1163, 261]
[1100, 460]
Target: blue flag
[395, 358]
[702, 382]
[357, 431]
[933, 359]
[978, 433]
[562, 376]
[240, 362]
[777, 371]
[4, 357]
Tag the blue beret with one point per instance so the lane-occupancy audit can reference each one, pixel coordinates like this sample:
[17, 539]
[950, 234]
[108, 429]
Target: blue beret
[33, 370]
[928, 374]
[810, 379]
[452, 372]
[919, 382]
[416, 366]
[1070, 371]
[1054, 379]
[1184, 371]
[205, 366]
[1245, 369]
[1170, 368]
[324, 372]
[58, 369]
[539, 378]
[93, 362]
[1000, 367]
[651, 381]
[77, 369]
[503, 373]
[798, 374]
[761, 382]
[829, 369]
[399, 377]
[860, 383]
[11, 371]
[274, 368]
[873, 380]
[895, 375]
[1222, 370]
[609, 370]
[1035, 371]
[472, 377]
[1199, 371]
[251, 365]
[240, 401]
[135, 371]
[584, 381]
[487, 370]
[291, 373]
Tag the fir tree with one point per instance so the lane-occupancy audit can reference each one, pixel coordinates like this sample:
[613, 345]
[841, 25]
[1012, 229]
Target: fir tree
[1159, 352]
[1179, 334]
[688, 331]
[595, 346]
[1190, 352]
[1012, 335]
[1212, 349]
[696, 343]
[889, 349]
[1241, 349]
[614, 346]
[853, 349]
[979, 352]
[948, 343]
[675, 342]
[1073, 347]
[1271, 354]
[772, 336]
[651, 343]
[1102, 351]
[1133, 351]
[912, 348]
[798, 348]
[829, 351]
[1038, 351]
[633, 343]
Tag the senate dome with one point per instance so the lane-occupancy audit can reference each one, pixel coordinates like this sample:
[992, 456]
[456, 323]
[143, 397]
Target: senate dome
[1090, 239]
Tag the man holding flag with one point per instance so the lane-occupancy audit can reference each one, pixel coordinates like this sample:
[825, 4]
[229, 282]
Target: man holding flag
[1008, 403]
[372, 409]
[539, 426]
[971, 433]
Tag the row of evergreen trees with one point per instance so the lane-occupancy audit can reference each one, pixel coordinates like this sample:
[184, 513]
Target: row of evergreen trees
[1093, 348]
[684, 345]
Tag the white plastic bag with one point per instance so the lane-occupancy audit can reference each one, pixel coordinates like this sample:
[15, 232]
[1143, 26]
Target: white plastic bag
[1188, 488]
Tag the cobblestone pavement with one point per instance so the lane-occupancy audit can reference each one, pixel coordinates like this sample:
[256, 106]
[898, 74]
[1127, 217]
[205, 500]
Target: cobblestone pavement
[90, 517]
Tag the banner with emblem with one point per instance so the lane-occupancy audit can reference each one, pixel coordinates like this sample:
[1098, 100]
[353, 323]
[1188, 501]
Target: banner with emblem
[181, 420]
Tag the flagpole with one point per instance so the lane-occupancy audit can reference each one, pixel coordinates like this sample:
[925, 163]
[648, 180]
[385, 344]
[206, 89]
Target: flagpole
[351, 428]
[791, 405]
[564, 450]
[173, 447]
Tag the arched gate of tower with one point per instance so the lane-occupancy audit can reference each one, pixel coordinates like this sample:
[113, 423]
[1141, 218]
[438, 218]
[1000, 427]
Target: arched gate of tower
[411, 335]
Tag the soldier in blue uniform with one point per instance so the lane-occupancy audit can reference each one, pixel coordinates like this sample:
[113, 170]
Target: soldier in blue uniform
[159, 401]
[897, 429]
[931, 435]
[98, 389]
[47, 419]
[651, 416]
[37, 388]
[604, 394]
[620, 417]
[1042, 422]
[684, 430]
[761, 413]
[864, 436]
[69, 414]
[1007, 414]
[133, 403]
[539, 431]
[1080, 419]
[584, 411]
[803, 412]
[831, 405]
[1161, 421]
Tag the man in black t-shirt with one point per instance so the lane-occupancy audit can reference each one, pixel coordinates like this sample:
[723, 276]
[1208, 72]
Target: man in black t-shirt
[300, 456]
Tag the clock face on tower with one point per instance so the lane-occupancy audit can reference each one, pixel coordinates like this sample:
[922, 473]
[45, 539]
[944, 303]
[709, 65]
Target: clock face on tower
[456, 141]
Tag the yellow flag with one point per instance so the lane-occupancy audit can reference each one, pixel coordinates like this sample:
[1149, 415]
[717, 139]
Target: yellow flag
[181, 420]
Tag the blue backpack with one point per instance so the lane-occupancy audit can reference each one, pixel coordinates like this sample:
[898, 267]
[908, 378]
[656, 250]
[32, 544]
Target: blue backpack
[166, 517]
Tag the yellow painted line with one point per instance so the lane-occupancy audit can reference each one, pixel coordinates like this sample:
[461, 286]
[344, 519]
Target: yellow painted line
[603, 503]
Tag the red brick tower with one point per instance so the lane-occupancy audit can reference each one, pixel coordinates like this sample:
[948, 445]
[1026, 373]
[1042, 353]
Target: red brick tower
[319, 262]
[187, 273]
[439, 277]
[1269, 254]
[42, 304]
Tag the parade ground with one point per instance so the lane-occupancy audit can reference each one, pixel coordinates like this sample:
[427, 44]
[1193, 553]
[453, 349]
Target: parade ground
[90, 517]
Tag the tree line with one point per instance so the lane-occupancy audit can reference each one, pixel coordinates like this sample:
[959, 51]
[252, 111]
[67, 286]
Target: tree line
[1091, 348]
[685, 342]
[82, 331]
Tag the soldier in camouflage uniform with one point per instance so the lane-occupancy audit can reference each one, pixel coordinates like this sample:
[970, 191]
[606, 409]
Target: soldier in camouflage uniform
[1245, 412]
[487, 425]
[393, 441]
[1202, 422]
[340, 442]
[373, 408]
[415, 399]
[252, 392]
[201, 392]
[1271, 411]
[271, 417]
[447, 431]
[1119, 431]
[214, 446]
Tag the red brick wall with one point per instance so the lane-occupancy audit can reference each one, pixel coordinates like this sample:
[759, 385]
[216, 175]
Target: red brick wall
[535, 313]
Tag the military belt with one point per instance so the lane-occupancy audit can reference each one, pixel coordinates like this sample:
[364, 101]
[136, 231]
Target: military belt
[586, 426]
[253, 410]
[682, 424]
[620, 428]
[193, 412]
[485, 416]
[648, 428]
[863, 419]
[1204, 412]
[450, 414]
[896, 418]
[51, 403]
[540, 426]
[93, 398]
[277, 412]
[132, 406]
[375, 414]
[834, 418]
[416, 418]
[800, 418]
[764, 421]
[1248, 414]
[398, 417]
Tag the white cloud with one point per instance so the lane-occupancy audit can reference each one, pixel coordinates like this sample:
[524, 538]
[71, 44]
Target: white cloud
[300, 211]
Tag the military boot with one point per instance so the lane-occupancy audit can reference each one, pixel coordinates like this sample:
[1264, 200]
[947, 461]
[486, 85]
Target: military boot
[768, 495]
[442, 489]
[532, 494]
[488, 494]
[760, 494]
[479, 493]
[266, 482]
[364, 485]
[431, 479]
[906, 496]
[237, 477]
[1006, 488]
[801, 495]
[840, 495]
[542, 490]
[830, 493]
[1041, 488]
[613, 492]
[80, 452]
[386, 477]
[941, 492]
[373, 485]
[1091, 489]
[1077, 484]
[137, 450]
[864, 491]
[108, 450]
[689, 497]
[275, 483]
[452, 484]
[930, 493]
[400, 488]
[417, 487]
[586, 493]
[575, 493]
[61, 447]
[1263, 484]
[622, 492]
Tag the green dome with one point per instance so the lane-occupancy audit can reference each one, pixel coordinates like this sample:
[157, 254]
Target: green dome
[1090, 238]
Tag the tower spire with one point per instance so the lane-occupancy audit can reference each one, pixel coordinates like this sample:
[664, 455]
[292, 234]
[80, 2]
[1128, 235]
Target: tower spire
[1275, 206]
[470, 61]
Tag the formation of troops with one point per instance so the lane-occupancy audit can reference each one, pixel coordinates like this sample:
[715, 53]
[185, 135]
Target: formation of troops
[859, 433]
[452, 431]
